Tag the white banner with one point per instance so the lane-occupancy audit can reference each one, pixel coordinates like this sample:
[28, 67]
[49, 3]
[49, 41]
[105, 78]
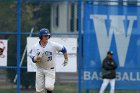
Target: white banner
[69, 43]
[3, 52]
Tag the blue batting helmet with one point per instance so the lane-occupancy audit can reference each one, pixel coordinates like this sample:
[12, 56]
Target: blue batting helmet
[44, 31]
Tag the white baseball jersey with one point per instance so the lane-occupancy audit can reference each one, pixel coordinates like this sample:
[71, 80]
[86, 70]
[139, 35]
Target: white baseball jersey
[48, 54]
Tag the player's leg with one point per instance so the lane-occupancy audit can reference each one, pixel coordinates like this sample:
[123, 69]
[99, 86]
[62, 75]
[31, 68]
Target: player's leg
[40, 81]
[112, 84]
[49, 80]
[104, 85]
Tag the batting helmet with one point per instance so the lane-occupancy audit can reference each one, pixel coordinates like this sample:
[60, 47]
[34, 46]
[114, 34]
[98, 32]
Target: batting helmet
[44, 31]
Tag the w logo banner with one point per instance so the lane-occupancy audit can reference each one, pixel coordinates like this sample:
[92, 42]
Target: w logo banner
[113, 28]
[118, 29]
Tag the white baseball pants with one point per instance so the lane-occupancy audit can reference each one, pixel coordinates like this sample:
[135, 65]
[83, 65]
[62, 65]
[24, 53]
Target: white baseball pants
[45, 79]
[105, 83]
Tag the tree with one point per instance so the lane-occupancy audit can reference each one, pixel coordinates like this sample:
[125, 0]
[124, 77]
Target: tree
[32, 14]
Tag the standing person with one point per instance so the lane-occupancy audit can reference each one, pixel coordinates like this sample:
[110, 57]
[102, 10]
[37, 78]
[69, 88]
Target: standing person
[43, 54]
[108, 72]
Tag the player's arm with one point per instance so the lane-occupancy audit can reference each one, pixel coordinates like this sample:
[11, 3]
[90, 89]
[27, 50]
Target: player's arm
[64, 51]
[37, 58]
[107, 65]
[114, 64]
[34, 55]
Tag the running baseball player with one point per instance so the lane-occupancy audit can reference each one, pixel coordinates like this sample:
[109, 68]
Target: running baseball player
[43, 54]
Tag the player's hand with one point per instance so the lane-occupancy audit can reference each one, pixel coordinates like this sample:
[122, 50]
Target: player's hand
[37, 59]
[65, 62]
[40, 54]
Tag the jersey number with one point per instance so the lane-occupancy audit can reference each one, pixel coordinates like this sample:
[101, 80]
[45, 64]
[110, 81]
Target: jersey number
[49, 55]
[49, 58]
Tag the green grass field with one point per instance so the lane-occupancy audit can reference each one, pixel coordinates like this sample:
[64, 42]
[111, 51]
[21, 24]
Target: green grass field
[61, 89]
[58, 89]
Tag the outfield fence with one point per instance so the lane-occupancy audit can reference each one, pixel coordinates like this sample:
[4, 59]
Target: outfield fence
[98, 26]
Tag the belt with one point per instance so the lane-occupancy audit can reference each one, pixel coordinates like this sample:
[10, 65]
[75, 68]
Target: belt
[52, 68]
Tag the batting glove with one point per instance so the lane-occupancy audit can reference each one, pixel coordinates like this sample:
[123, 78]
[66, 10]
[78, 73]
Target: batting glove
[37, 59]
[65, 62]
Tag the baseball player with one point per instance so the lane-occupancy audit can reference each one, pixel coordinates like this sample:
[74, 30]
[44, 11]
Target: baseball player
[43, 54]
[2, 47]
[108, 72]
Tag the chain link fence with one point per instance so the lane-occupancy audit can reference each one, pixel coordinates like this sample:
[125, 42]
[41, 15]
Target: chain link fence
[17, 19]
[64, 18]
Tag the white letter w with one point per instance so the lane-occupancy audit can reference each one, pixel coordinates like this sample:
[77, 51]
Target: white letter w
[122, 37]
